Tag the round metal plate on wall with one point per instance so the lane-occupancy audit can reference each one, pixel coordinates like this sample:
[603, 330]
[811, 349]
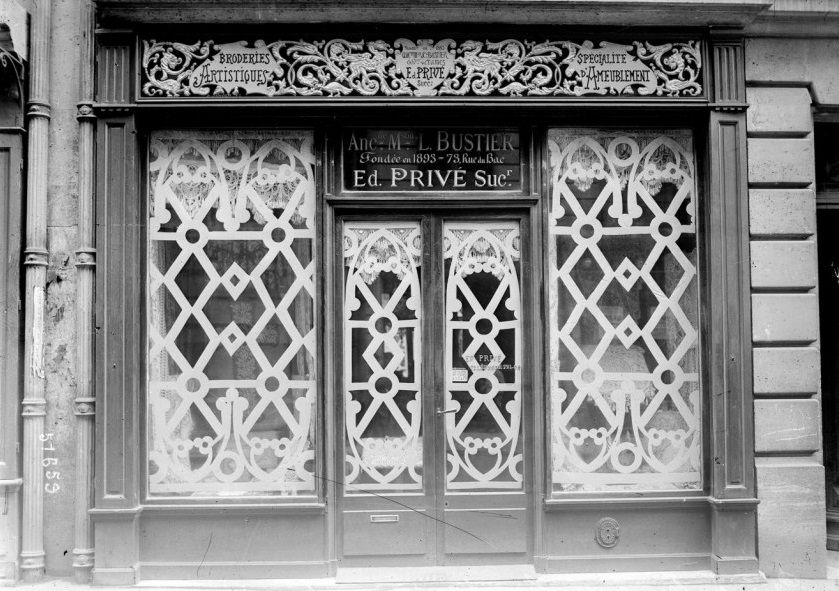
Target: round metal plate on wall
[607, 533]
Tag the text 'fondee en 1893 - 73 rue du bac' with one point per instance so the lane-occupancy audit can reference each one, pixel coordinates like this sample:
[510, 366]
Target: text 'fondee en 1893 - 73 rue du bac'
[431, 159]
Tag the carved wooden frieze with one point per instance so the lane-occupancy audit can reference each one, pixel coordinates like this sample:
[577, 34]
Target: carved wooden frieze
[421, 68]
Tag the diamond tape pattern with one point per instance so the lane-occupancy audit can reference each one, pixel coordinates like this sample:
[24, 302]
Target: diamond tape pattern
[231, 395]
[625, 395]
[382, 357]
[483, 349]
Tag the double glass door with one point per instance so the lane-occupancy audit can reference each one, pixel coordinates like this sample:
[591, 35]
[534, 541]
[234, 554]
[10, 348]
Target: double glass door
[434, 394]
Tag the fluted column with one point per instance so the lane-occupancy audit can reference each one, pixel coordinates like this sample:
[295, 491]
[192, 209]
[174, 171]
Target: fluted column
[83, 556]
[35, 269]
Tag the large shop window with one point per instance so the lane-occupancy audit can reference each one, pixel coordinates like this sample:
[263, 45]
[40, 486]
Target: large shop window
[624, 387]
[231, 316]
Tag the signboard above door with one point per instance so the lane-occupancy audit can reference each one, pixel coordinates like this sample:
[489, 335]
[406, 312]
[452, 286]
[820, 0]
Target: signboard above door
[419, 68]
[431, 159]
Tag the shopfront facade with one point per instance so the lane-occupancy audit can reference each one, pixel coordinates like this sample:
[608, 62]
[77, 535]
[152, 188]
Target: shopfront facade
[357, 292]
[462, 330]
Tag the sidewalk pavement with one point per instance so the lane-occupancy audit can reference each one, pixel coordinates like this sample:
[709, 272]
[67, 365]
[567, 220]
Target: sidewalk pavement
[609, 582]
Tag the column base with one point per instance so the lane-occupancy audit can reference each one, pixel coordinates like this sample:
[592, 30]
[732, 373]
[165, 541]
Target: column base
[32, 566]
[82, 564]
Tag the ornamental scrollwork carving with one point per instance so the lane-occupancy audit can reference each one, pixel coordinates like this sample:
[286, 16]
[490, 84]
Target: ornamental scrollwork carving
[677, 66]
[420, 68]
[167, 65]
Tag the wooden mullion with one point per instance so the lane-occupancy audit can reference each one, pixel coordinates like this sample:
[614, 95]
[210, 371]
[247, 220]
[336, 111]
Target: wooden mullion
[727, 349]
[120, 287]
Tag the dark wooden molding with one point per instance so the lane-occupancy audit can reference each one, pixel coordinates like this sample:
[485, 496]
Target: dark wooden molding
[729, 339]
[118, 320]
[733, 550]
[728, 69]
[554, 12]
[728, 347]
[114, 70]
[118, 342]
[11, 345]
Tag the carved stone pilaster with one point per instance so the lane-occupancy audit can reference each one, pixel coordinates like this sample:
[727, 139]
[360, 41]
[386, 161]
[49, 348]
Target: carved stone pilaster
[83, 561]
[84, 407]
[85, 402]
[38, 109]
[32, 555]
[35, 257]
[85, 112]
[35, 262]
[85, 257]
[33, 407]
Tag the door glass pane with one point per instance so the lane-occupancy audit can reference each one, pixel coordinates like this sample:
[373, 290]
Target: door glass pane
[382, 398]
[625, 396]
[483, 355]
[231, 323]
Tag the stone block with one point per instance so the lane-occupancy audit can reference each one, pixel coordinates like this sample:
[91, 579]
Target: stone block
[779, 161]
[792, 371]
[785, 318]
[59, 364]
[790, 518]
[783, 264]
[787, 212]
[787, 426]
[804, 61]
[774, 110]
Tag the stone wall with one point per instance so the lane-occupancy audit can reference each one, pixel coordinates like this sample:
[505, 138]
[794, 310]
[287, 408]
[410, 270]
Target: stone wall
[782, 78]
[62, 241]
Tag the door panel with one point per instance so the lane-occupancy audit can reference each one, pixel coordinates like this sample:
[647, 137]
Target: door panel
[385, 493]
[484, 498]
[397, 532]
[473, 531]
[460, 495]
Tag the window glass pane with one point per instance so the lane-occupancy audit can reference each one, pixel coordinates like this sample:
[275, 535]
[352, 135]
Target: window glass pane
[482, 265]
[231, 321]
[625, 396]
[382, 352]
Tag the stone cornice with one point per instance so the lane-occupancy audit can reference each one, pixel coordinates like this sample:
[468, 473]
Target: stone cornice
[797, 18]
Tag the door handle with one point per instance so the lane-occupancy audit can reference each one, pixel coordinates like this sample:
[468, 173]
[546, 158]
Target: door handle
[447, 411]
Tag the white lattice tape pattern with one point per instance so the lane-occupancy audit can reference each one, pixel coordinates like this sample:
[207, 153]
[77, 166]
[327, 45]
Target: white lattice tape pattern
[483, 347]
[382, 354]
[232, 347]
[625, 396]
